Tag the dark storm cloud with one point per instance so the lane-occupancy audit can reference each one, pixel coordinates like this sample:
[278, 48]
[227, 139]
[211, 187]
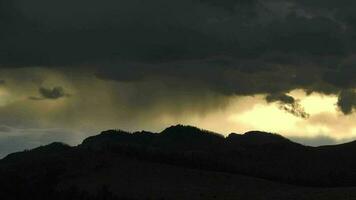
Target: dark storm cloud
[288, 104]
[342, 76]
[347, 101]
[63, 32]
[81, 31]
[295, 109]
[50, 93]
[281, 98]
[242, 47]
[220, 74]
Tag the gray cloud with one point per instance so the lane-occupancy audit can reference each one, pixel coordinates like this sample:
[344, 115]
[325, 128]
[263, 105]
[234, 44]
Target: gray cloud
[51, 93]
[231, 47]
[295, 109]
[281, 98]
[93, 30]
[347, 101]
[288, 104]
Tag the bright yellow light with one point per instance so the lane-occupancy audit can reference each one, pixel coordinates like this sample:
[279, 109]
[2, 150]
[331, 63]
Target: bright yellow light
[267, 118]
[317, 103]
[254, 113]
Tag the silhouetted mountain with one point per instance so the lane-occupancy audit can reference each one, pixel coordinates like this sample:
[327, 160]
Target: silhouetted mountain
[55, 148]
[53, 169]
[258, 138]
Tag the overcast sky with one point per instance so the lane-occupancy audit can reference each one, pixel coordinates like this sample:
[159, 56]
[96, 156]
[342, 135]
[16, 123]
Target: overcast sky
[71, 68]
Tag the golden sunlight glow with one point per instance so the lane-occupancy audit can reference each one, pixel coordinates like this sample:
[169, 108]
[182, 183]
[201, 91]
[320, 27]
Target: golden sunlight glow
[267, 117]
[5, 97]
[112, 107]
[315, 103]
[253, 113]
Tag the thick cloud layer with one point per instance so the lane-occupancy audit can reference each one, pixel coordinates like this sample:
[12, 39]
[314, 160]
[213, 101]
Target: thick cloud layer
[347, 101]
[233, 47]
[78, 31]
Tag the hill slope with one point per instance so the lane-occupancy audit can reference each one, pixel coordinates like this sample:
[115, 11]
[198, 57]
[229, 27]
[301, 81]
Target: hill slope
[180, 161]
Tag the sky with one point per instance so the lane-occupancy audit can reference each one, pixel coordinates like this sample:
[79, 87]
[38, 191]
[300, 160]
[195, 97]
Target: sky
[70, 69]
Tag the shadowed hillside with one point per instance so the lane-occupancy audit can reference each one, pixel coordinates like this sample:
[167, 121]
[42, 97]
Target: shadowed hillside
[181, 162]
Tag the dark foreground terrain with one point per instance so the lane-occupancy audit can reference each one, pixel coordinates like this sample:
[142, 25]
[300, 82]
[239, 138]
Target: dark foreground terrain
[181, 162]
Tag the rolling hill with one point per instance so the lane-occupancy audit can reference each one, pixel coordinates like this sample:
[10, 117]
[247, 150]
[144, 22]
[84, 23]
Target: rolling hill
[181, 162]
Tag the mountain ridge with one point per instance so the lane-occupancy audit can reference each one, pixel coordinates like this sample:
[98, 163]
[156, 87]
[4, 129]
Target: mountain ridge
[255, 154]
[185, 132]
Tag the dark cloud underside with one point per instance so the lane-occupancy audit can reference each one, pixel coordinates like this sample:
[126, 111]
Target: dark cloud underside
[347, 101]
[238, 47]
